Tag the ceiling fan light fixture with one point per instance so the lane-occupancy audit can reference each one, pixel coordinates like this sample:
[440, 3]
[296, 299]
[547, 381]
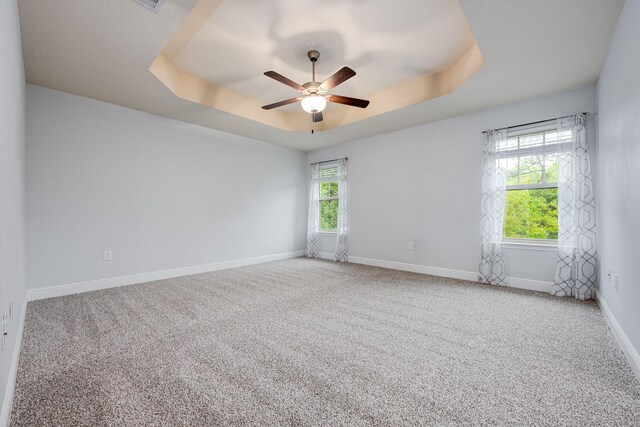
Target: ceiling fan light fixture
[314, 95]
[314, 103]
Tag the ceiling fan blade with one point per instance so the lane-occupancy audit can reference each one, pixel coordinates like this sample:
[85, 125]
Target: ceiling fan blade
[281, 103]
[354, 102]
[283, 79]
[317, 117]
[340, 76]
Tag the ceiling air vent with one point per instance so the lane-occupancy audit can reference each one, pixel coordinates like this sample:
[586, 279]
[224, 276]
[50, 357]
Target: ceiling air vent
[154, 5]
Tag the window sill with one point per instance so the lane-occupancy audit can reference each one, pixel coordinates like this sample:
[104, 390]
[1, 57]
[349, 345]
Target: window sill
[530, 246]
[327, 233]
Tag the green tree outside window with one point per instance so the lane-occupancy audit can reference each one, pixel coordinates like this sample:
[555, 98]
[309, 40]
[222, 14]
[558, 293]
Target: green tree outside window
[328, 206]
[531, 210]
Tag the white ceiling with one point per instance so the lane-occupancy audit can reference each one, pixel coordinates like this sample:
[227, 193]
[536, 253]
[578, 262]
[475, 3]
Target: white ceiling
[387, 43]
[102, 49]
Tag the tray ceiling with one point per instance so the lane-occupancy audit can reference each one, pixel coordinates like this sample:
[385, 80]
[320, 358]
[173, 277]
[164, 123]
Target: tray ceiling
[403, 54]
[103, 49]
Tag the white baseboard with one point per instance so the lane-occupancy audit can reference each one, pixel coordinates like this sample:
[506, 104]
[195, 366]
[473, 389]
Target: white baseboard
[113, 282]
[326, 255]
[623, 340]
[533, 285]
[5, 414]
[416, 268]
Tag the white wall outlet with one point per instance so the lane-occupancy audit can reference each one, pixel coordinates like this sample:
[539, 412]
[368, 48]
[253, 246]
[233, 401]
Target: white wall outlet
[616, 281]
[410, 246]
[275, 239]
[107, 255]
[609, 275]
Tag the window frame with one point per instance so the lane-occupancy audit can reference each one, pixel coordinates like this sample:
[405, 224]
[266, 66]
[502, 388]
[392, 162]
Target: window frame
[509, 153]
[332, 178]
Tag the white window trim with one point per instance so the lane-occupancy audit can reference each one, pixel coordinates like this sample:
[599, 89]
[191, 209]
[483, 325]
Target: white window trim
[540, 186]
[544, 245]
[328, 179]
[532, 151]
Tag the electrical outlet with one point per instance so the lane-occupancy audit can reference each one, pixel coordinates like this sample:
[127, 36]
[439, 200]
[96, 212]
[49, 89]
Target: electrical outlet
[609, 275]
[275, 239]
[616, 281]
[107, 255]
[410, 246]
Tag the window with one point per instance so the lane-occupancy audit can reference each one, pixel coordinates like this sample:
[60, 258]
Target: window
[531, 162]
[328, 198]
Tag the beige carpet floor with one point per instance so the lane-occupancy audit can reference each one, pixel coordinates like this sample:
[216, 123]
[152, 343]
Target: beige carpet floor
[308, 342]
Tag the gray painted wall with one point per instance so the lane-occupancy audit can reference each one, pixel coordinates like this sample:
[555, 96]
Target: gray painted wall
[618, 167]
[159, 193]
[12, 178]
[423, 185]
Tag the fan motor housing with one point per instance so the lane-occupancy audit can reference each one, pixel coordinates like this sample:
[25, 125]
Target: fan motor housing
[312, 87]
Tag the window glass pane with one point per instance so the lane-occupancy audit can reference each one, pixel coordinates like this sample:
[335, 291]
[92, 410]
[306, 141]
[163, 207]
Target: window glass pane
[534, 140]
[328, 172]
[324, 190]
[333, 189]
[551, 168]
[531, 169]
[551, 137]
[564, 136]
[531, 214]
[505, 144]
[328, 214]
[512, 170]
[328, 189]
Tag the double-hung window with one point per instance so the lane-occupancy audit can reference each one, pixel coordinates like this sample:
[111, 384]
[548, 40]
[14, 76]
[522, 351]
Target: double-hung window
[328, 199]
[531, 157]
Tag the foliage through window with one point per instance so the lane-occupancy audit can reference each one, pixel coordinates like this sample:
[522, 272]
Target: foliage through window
[328, 199]
[531, 163]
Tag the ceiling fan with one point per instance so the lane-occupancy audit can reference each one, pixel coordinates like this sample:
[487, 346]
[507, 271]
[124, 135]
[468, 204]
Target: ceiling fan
[314, 95]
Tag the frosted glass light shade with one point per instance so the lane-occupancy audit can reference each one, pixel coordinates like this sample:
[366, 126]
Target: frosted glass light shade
[314, 103]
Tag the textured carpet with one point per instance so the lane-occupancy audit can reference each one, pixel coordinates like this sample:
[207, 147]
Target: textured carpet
[308, 342]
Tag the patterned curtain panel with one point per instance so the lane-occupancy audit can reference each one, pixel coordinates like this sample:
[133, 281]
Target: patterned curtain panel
[494, 182]
[314, 212]
[342, 237]
[577, 251]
